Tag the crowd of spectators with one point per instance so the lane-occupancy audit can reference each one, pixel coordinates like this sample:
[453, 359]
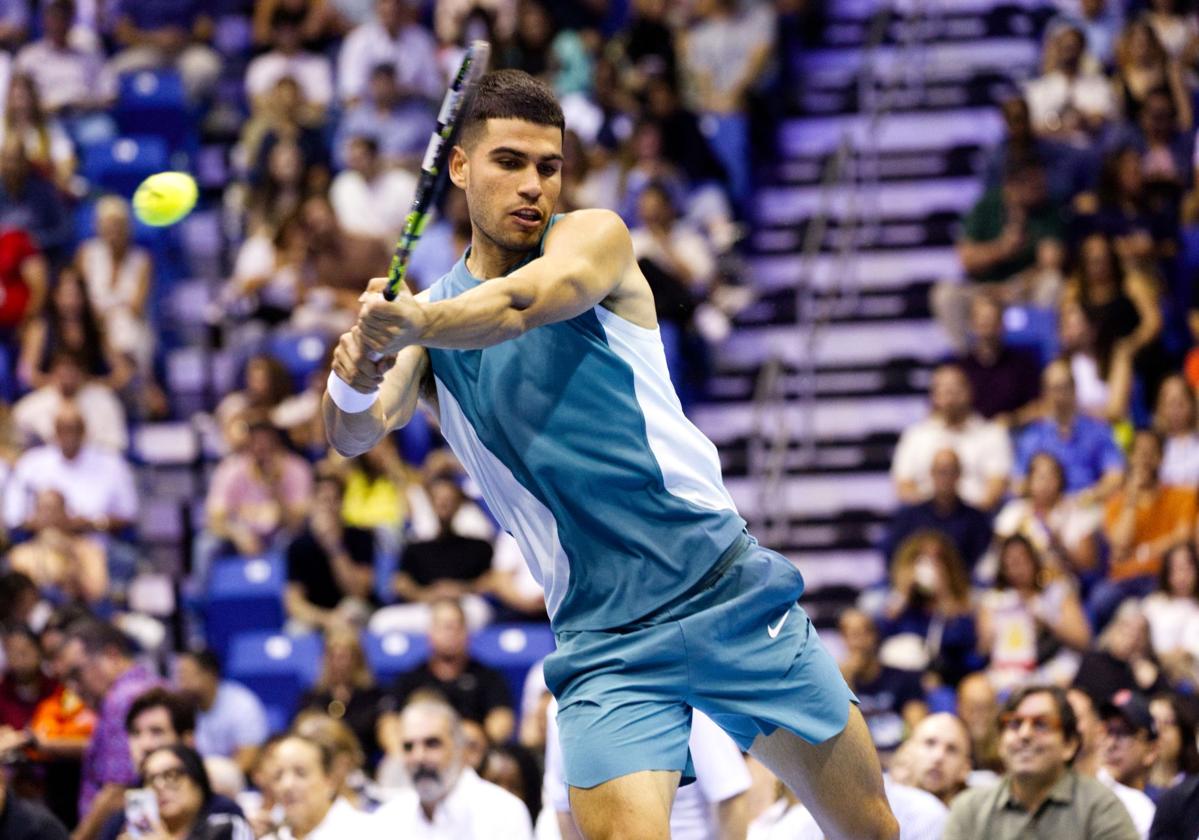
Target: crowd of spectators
[314, 115]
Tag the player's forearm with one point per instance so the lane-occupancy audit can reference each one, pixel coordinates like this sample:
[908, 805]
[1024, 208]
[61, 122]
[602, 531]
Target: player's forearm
[352, 433]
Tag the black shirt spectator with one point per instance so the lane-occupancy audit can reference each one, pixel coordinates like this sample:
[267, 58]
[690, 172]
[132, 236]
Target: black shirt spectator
[21, 820]
[308, 564]
[1003, 380]
[448, 557]
[474, 693]
[1177, 816]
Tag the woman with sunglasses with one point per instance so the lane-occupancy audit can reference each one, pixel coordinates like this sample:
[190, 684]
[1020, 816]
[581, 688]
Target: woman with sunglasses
[176, 775]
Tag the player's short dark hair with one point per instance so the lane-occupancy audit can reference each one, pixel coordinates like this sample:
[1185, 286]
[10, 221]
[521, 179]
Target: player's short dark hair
[182, 712]
[511, 95]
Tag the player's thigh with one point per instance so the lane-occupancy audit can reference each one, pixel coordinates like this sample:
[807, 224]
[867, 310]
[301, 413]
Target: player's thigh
[631, 807]
[839, 780]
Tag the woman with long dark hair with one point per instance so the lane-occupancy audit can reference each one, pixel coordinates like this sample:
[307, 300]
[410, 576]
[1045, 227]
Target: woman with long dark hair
[183, 795]
[1177, 752]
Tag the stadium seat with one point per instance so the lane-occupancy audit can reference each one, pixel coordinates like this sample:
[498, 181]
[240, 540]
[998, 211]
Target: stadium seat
[276, 667]
[152, 102]
[390, 654]
[512, 649]
[1032, 327]
[300, 352]
[120, 165]
[243, 594]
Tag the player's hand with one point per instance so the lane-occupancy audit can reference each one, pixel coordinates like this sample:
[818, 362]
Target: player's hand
[353, 365]
[387, 327]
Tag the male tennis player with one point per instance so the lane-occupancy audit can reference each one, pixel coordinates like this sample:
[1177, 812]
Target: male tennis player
[540, 354]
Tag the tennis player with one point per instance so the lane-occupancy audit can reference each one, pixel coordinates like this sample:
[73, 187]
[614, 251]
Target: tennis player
[539, 352]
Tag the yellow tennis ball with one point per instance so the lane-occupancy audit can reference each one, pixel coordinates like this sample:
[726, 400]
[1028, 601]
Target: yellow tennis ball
[165, 198]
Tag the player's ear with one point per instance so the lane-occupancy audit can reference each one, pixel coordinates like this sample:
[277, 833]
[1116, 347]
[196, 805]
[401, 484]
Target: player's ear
[459, 167]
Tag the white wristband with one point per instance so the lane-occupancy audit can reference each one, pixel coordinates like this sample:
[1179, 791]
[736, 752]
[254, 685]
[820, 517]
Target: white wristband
[346, 398]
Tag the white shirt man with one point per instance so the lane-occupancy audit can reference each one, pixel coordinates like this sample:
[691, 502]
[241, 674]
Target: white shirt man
[34, 415]
[312, 72]
[447, 801]
[96, 484]
[721, 776]
[411, 50]
[374, 206]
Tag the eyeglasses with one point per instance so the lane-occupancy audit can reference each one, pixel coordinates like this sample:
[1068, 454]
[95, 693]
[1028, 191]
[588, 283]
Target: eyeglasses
[1041, 724]
[169, 778]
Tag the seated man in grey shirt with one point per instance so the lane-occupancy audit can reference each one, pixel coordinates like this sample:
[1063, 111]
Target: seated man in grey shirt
[1040, 795]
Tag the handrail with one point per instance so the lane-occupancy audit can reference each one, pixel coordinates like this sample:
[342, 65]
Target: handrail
[771, 436]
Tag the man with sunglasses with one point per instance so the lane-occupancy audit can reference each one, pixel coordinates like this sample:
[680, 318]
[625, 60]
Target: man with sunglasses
[1040, 794]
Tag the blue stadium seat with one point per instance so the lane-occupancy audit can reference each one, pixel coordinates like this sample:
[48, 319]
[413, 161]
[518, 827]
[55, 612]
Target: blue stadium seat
[243, 595]
[276, 667]
[1033, 328]
[391, 654]
[121, 164]
[152, 102]
[300, 352]
[512, 649]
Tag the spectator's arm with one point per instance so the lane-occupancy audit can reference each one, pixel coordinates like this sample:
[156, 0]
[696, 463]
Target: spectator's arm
[33, 343]
[299, 608]
[406, 587]
[502, 584]
[986, 630]
[996, 488]
[1112, 478]
[1181, 96]
[1145, 298]
[732, 817]
[1121, 533]
[979, 257]
[142, 288]
[1070, 624]
[353, 579]
[110, 800]
[35, 271]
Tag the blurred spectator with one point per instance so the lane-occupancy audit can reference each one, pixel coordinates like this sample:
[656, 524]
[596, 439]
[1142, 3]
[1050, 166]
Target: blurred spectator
[1177, 751]
[1174, 24]
[1139, 231]
[71, 81]
[1003, 379]
[1061, 528]
[281, 183]
[348, 757]
[968, 527]
[476, 691]
[69, 325]
[18, 598]
[1166, 151]
[184, 794]
[1101, 21]
[1084, 447]
[267, 383]
[1123, 307]
[35, 414]
[1121, 659]
[529, 48]
[446, 238]
[305, 788]
[936, 756]
[1173, 612]
[714, 807]
[683, 140]
[24, 277]
[399, 127]
[321, 20]
[377, 494]
[1103, 381]
[983, 449]
[21, 819]
[341, 265]
[726, 53]
[230, 719]
[48, 149]
[512, 583]
[1177, 811]
[891, 700]
[299, 415]
[370, 198]
[450, 16]
[926, 618]
[1141, 521]
[1129, 752]
[346, 688]
[30, 202]
[312, 72]
[118, 274]
[517, 771]
[1068, 100]
[1144, 65]
[1175, 420]
[64, 564]
[256, 500]
[330, 567]
[1039, 792]
[1031, 626]
[157, 35]
[14, 23]
[96, 483]
[978, 707]
[97, 663]
[647, 44]
[268, 272]
[1065, 166]
[24, 685]
[393, 37]
[447, 800]
[1010, 246]
[451, 565]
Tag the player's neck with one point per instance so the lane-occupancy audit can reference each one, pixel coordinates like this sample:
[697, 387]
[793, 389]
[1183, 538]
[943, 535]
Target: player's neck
[486, 260]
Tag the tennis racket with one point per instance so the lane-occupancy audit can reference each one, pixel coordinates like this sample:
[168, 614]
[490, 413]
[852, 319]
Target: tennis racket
[473, 66]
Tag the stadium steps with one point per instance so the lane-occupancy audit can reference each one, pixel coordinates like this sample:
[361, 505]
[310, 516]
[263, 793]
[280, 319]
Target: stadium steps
[870, 360]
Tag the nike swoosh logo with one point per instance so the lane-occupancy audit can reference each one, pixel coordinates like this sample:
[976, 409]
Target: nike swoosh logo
[774, 631]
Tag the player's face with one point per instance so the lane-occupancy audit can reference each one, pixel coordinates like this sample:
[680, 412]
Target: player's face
[512, 175]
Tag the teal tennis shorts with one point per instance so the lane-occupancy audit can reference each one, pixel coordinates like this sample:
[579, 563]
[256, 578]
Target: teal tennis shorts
[737, 647]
